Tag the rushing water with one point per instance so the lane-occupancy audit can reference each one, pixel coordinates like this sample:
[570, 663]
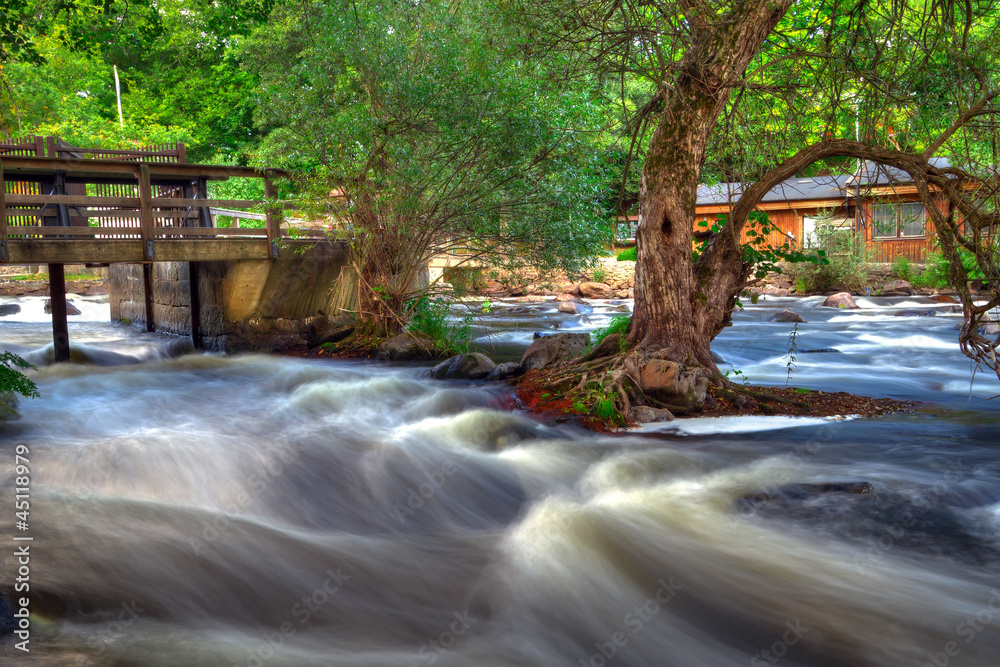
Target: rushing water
[193, 509]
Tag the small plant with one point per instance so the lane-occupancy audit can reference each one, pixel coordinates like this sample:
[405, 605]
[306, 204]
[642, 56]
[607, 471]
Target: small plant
[617, 325]
[486, 307]
[793, 347]
[124, 320]
[430, 317]
[599, 275]
[736, 373]
[629, 255]
[901, 268]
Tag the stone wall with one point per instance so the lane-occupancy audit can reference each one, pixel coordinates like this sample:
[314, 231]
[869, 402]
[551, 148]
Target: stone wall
[262, 305]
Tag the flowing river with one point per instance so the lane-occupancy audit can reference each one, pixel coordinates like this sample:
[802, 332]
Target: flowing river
[197, 509]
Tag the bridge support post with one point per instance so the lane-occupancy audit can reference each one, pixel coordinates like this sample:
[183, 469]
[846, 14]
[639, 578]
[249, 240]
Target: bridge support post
[195, 306]
[57, 297]
[147, 291]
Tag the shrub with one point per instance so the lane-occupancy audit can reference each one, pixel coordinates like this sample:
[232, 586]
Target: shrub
[901, 268]
[599, 275]
[430, 317]
[846, 266]
[629, 255]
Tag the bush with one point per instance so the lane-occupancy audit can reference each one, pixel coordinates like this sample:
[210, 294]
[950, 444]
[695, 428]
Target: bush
[629, 255]
[846, 268]
[617, 325]
[901, 268]
[430, 318]
[599, 275]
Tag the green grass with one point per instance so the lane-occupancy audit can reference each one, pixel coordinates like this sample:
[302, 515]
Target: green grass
[629, 255]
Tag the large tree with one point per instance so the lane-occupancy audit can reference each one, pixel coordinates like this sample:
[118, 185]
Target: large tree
[768, 88]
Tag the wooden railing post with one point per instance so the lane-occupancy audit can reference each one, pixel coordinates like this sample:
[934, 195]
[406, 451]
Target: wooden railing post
[145, 212]
[39, 146]
[3, 216]
[272, 219]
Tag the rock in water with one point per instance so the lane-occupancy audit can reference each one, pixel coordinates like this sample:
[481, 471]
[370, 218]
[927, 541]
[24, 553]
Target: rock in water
[70, 308]
[504, 371]
[554, 349]
[596, 291]
[897, 288]
[840, 300]
[645, 414]
[916, 313]
[9, 309]
[574, 308]
[468, 366]
[717, 358]
[405, 347]
[787, 316]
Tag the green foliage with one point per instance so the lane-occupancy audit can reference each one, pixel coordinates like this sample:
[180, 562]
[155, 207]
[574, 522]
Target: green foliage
[846, 267]
[430, 317]
[793, 348]
[629, 255]
[901, 268]
[486, 307]
[599, 275]
[736, 373]
[935, 273]
[13, 381]
[617, 325]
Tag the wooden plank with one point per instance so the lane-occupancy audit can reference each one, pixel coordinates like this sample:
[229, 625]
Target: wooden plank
[146, 213]
[210, 231]
[110, 251]
[147, 292]
[40, 165]
[195, 293]
[43, 231]
[72, 200]
[3, 216]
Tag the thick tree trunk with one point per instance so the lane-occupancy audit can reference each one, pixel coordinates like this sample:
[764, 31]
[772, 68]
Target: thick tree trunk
[678, 311]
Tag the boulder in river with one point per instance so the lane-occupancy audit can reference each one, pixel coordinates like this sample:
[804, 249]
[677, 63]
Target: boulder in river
[596, 291]
[468, 366]
[574, 308]
[674, 383]
[804, 492]
[9, 309]
[405, 347]
[554, 349]
[717, 358]
[942, 298]
[504, 371]
[840, 300]
[566, 297]
[917, 313]
[645, 414]
[70, 308]
[787, 316]
[822, 350]
[897, 288]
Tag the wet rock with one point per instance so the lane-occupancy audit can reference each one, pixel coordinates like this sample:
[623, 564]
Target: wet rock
[771, 290]
[840, 300]
[405, 347]
[988, 329]
[70, 308]
[822, 350]
[574, 308]
[596, 291]
[787, 316]
[504, 371]
[532, 298]
[622, 309]
[674, 383]
[645, 414]
[468, 366]
[554, 349]
[897, 288]
[916, 313]
[332, 335]
[804, 492]
[9, 309]
[612, 344]
[943, 298]
[565, 296]
[717, 358]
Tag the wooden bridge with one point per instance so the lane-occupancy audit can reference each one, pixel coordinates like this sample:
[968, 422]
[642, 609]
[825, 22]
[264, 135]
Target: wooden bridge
[65, 205]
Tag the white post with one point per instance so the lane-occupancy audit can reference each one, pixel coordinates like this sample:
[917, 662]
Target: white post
[118, 93]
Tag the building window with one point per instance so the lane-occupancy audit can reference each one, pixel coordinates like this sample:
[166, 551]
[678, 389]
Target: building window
[890, 221]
